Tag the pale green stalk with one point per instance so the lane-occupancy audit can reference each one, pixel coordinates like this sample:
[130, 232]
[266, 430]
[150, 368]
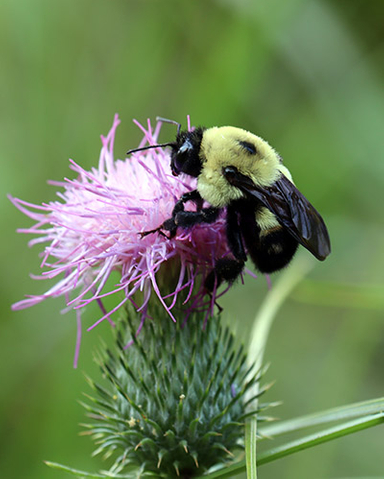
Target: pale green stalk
[259, 335]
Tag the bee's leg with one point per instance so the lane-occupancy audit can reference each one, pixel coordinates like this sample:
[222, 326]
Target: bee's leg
[156, 230]
[226, 269]
[170, 224]
[235, 241]
[193, 195]
[229, 269]
[186, 219]
[270, 249]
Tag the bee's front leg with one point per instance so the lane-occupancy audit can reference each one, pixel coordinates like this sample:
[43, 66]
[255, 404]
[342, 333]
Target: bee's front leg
[172, 223]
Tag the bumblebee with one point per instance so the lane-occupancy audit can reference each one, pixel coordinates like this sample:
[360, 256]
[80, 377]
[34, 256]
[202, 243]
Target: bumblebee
[266, 215]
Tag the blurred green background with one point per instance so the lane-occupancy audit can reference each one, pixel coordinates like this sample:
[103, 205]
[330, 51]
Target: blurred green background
[307, 75]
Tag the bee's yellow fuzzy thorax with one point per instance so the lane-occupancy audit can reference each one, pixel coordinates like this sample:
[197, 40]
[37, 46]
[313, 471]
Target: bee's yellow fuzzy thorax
[221, 147]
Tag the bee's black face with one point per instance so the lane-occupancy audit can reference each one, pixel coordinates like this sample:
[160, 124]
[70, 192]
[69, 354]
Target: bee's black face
[180, 156]
[185, 154]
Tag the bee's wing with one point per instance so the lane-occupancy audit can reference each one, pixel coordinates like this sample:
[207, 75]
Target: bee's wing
[292, 210]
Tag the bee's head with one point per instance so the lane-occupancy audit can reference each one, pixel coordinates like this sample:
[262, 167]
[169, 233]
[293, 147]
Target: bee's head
[185, 150]
[185, 156]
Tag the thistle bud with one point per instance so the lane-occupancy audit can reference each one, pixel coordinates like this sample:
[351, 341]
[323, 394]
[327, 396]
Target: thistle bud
[174, 404]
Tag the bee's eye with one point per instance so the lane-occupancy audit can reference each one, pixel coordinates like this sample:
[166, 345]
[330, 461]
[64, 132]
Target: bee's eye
[185, 147]
[180, 156]
[185, 155]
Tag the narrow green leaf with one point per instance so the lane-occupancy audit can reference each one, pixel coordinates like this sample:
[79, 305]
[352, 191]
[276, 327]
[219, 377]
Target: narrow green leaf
[227, 471]
[103, 475]
[350, 411]
[320, 438]
[72, 471]
[301, 444]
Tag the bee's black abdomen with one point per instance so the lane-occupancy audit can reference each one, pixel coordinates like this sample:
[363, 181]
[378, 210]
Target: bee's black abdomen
[270, 250]
[274, 251]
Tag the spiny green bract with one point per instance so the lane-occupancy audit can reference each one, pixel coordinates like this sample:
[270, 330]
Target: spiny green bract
[175, 404]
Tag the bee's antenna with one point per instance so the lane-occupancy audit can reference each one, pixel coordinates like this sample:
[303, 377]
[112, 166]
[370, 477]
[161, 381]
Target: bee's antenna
[172, 143]
[165, 120]
[150, 146]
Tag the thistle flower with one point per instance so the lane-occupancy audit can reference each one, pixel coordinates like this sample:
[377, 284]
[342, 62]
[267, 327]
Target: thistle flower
[94, 229]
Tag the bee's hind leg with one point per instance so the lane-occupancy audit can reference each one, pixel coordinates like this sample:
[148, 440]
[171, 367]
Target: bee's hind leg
[226, 269]
[229, 268]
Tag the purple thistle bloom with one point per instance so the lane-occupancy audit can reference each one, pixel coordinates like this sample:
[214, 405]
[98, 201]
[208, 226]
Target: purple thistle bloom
[93, 230]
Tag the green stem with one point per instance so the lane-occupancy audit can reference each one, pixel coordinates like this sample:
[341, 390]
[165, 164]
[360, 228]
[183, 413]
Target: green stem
[259, 335]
